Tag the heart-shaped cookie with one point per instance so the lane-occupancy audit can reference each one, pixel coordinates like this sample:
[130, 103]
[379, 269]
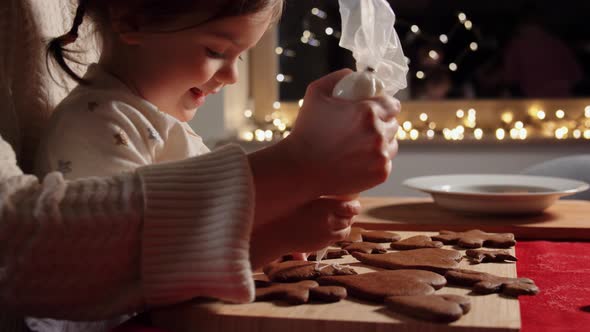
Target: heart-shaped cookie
[416, 242]
[431, 259]
[376, 286]
[365, 247]
[436, 308]
[380, 236]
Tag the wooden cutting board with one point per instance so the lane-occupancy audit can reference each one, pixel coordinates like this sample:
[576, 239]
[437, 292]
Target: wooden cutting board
[488, 312]
[566, 219]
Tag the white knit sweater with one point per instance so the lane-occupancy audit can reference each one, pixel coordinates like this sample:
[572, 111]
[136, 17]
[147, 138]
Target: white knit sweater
[95, 248]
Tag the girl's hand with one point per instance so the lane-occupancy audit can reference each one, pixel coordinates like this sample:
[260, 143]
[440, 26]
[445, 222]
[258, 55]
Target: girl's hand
[309, 228]
[344, 146]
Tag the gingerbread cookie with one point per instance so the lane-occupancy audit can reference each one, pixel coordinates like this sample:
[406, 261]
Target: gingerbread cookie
[483, 256]
[330, 254]
[431, 259]
[436, 308]
[416, 242]
[328, 293]
[365, 247]
[292, 271]
[380, 236]
[485, 283]
[376, 286]
[299, 292]
[354, 236]
[476, 239]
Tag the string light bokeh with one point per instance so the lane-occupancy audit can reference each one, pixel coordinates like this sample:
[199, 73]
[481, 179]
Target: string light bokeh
[463, 124]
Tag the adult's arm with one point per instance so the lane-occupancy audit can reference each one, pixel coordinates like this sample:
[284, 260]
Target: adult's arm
[96, 247]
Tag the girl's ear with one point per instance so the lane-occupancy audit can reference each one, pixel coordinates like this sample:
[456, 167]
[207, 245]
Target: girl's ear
[124, 26]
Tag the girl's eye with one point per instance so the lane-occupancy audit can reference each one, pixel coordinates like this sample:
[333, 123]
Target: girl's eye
[214, 54]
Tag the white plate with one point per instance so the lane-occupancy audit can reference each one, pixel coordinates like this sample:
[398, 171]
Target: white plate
[495, 193]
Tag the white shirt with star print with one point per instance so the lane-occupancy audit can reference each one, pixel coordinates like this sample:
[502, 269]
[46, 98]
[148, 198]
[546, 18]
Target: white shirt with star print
[104, 129]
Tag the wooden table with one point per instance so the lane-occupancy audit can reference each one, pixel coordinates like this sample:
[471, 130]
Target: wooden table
[566, 219]
[409, 216]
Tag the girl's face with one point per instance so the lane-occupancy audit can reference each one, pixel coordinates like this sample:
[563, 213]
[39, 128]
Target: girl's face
[176, 71]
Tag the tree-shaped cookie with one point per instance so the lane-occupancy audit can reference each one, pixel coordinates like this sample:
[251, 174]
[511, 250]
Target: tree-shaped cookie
[292, 271]
[376, 286]
[476, 239]
[431, 259]
[485, 283]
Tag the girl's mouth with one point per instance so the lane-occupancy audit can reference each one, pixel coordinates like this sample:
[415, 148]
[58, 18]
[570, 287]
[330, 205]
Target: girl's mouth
[198, 96]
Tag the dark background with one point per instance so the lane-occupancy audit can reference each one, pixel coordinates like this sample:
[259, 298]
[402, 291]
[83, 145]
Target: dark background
[480, 73]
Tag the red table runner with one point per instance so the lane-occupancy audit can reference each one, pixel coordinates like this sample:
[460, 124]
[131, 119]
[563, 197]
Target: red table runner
[560, 269]
[562, 272]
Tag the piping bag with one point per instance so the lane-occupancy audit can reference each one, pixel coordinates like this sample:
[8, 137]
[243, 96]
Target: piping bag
[381, 68]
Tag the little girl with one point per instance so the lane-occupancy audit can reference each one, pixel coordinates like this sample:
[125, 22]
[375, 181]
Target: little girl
[160, 59]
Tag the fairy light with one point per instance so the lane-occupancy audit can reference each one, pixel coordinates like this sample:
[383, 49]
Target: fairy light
[587, 134]
[319, 13]
[420, 74]
[329, 31]
[561, 132]
[518, 125]
[432, 125]
[304, 40]
[462, 17]
[460, 114]
[282, 127]
[447, 133]
[407, 125]
[577, 133]
[415, 29]
[468, 25]
[559, 114]
[453, 66]
[248, 113]
[473, 46]
[478, 133]
[286, 133]
[280, 78]
[247, 136]
[522, 133]
[541, 114]
[430, 134]
[443, 38]
[507, 117]
[276, 105]
[424, 117]
[414, 134]
[300, 102]
[401, 135]
[587, 112]
[433, 54]
[279, 50]
[268, 134]
[277, 122]
[500, 134]
[260, 136]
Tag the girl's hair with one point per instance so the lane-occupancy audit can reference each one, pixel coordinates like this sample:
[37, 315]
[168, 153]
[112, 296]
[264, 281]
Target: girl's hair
[157, 16]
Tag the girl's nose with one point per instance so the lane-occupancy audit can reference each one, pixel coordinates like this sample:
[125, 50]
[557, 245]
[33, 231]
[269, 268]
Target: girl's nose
[228, 74]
